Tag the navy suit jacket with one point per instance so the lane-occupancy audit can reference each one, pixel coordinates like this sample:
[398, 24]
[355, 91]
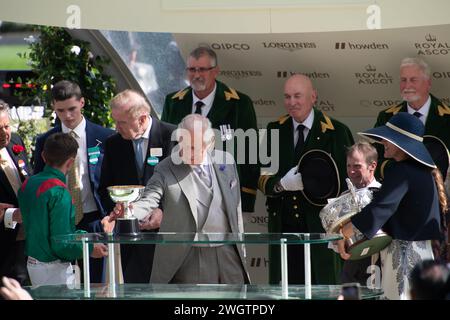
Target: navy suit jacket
[95, 135]
[119, 166]
[406, 206]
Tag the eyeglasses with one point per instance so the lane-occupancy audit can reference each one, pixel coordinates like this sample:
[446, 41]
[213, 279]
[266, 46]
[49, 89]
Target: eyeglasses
[199, 70]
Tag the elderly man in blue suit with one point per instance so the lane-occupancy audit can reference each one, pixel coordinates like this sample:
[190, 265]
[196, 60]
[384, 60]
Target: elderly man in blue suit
[68, 102]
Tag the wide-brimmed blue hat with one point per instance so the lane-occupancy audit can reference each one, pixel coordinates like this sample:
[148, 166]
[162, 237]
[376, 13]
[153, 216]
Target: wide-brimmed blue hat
[406, 132]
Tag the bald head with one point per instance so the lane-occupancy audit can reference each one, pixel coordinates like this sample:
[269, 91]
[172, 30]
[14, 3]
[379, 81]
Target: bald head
[299, 96]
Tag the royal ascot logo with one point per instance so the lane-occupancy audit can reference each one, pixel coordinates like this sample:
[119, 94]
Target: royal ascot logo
[259, 262]
[230, 46]
[264, 102]
[431, 46]
[379, 103]
[240, 74]
[312, 75]
[371, 75]
[289, 46]
[441, 75]
[360, 46]
[325, 105]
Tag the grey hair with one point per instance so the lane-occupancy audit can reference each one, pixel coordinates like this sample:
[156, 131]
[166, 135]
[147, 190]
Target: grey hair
[423, 66]
[204, 51]
[190, 123]
[4, 107]
[132, 98]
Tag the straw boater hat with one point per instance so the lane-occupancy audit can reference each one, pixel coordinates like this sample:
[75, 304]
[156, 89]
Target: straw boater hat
[406, 132]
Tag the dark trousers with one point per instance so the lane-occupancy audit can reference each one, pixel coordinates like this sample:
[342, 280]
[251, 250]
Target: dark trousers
[13, 262]
[137, 261]
[356, 271]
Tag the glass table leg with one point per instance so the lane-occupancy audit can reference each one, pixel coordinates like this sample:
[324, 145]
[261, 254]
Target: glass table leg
[307, 271]
[86, 277]
[284, 269]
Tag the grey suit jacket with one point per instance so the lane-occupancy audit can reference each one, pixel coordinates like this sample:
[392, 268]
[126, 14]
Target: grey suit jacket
[171, 186]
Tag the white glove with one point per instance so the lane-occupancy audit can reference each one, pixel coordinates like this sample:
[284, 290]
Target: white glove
[292, 181]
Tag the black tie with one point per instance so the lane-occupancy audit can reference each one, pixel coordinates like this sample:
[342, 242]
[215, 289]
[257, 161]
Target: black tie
[417, 114]
[300, 142]
[198, 107]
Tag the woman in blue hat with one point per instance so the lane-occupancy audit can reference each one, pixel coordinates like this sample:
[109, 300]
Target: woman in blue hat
[408, 206]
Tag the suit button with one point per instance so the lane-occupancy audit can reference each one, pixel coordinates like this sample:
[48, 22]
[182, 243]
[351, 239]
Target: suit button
[297, 215]
[294, 198]
[295, 207]
[274, 214]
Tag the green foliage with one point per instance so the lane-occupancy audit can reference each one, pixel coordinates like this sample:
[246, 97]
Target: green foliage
[52, 59]
[29, 130]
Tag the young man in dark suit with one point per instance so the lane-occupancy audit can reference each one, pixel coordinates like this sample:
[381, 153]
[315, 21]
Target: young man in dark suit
[68, 102]
[130, 157]
[14, 170]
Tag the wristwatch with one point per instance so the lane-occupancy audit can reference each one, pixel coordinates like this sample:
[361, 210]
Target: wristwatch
[277, 188]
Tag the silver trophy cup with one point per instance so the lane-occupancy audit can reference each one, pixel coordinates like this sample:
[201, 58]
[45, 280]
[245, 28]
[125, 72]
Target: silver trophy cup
[129, 224]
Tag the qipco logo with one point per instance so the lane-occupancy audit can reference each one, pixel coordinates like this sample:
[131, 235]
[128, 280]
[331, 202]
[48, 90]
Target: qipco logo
[230, 46]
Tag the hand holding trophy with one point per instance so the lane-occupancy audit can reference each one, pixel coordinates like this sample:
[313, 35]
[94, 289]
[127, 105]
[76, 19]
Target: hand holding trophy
[127, 224]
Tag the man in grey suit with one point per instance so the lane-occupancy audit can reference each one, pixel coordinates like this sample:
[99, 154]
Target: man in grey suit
[198, 190]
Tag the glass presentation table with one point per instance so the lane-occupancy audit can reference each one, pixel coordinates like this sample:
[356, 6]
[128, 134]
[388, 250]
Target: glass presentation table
[175, 291]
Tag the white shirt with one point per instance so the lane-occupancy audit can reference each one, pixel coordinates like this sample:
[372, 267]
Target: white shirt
[423, 110]
[87, 196]
[208, 101]
[308, 123]
[146, 138]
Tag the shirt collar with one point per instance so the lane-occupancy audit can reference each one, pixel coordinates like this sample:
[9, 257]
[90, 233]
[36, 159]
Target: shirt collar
[79, 129]
[208, 100]
[423, 109]
[308, 123]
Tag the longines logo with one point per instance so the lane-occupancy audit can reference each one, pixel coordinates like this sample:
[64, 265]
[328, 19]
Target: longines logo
[441, 74]
[257, 262]
[370, 75]
[361, 46]
[239, 74]
[432, 47]
[379, 103]
[312, 75]
[325, 105]
[290, 46]
[230, 46]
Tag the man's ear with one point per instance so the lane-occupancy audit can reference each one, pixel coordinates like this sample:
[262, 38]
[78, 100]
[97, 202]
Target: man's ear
[69, 163]
[82, 102]
[43, 157]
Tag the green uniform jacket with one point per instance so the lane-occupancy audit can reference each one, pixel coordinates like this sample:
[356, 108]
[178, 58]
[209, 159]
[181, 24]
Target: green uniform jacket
[328, 135]
[47, 211]
[437, 124]
[230, 107]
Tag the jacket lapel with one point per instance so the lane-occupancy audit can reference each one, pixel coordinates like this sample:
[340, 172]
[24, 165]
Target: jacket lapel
[153, 142]
[219, 109]
[183, 175]
[224, 182]
[19, 161]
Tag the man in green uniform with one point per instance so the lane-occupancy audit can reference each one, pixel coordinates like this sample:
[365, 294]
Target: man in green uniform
[415, 85]
[226, 108]
[305, 128]
[47, 211]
